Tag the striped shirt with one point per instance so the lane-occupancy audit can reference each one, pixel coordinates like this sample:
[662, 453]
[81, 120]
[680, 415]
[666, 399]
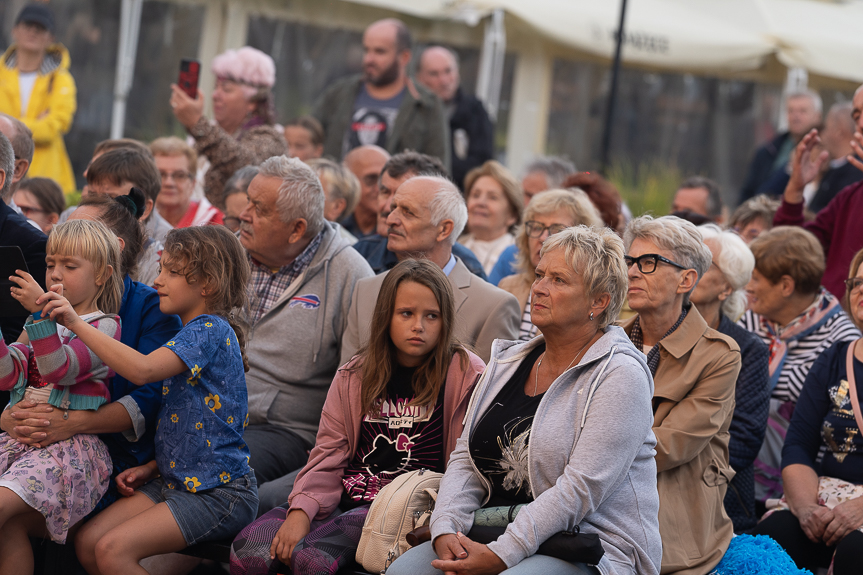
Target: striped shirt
[527, 331]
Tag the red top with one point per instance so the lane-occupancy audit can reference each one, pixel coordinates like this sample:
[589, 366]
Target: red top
[188, 219]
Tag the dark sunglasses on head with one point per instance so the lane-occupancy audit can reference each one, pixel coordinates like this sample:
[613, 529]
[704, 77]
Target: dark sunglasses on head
[647, 262]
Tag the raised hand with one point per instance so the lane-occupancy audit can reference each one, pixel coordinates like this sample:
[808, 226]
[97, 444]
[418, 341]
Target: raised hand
[187, 110]
[805, 165]
[58, 307]
[26, 290]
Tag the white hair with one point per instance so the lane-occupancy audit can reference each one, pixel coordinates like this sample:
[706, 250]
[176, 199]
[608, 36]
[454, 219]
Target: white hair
[736, 263]
[300, 194]
[813, 96]
[447, 203]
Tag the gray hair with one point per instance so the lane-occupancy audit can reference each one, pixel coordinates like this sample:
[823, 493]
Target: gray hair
[555, 168]
[239, 182]
[842, 112]
[736, 262]
[22, 141]
[300, 195]
[677, 236]
[813, 96]
[596, 255]
[342, 183]
[714, 194]
[7, 164]
[447, 203]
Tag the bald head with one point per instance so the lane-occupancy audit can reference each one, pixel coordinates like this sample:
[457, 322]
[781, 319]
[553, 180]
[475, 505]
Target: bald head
[21, 138]
[838, 130]
[393, 28]
[438, 71]
[366, 163]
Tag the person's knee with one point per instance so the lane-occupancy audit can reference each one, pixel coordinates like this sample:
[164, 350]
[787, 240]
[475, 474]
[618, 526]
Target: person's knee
[111, 553]
[85, 544]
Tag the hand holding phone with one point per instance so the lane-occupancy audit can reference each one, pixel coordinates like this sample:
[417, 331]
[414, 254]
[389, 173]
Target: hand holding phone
[190, 71]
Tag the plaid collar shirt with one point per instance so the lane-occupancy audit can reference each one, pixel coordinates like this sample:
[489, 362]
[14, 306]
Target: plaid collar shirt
[268, 286]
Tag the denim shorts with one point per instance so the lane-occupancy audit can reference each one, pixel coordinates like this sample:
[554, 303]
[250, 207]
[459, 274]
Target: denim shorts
[210, 515]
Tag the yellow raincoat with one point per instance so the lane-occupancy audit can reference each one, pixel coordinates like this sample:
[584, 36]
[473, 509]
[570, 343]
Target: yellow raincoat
[49, 112]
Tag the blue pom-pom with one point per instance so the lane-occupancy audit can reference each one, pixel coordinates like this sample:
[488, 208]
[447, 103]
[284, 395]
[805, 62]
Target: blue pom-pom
[756, 555]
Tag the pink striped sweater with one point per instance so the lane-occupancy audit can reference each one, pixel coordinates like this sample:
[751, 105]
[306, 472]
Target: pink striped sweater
[79, 377]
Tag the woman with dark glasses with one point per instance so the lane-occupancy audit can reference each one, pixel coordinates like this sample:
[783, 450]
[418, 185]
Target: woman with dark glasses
[694, 369]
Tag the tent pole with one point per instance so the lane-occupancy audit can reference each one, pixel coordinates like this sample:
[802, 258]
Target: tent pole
[612, 94]
[130, 25]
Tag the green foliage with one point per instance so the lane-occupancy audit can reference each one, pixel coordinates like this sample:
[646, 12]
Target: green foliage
[648, 187]
[73, 198]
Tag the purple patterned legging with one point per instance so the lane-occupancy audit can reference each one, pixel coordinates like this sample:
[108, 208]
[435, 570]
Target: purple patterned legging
[329, 546]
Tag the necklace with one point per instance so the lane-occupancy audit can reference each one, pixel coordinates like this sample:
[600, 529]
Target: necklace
[539, 364]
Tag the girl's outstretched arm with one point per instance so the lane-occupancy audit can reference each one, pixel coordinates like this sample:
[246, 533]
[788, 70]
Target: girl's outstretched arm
[138, 368]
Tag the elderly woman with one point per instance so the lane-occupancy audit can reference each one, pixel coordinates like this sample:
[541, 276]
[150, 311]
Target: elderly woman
[754, 217]
[547, 214]
[721, 298]
[178, 163]
[694, 369]
[543, 421]
[798, 320]
[494, 207]
[820, 518]
[236, 195]
[342, 191]
[243, 131]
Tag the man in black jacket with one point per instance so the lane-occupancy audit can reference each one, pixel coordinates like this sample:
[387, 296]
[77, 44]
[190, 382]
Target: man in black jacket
[471, 130]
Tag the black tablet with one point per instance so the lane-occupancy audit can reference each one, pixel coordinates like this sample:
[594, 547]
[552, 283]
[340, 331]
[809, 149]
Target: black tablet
[11, 259]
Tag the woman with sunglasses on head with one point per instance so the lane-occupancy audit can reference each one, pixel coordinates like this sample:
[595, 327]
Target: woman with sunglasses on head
[547, 214]
[820, 518]
[694, 369]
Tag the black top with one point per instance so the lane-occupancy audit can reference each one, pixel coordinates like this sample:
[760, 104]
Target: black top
[499, 441]
[833, 182]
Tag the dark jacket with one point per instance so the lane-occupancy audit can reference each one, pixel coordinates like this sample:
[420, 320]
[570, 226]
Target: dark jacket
[15, 230]
[470, 120]
[374, 249]
[761, 170]
[752, 402]
[832, 183]
[420, 125]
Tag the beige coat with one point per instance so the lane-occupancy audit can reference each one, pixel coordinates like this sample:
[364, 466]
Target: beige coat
[693, 403]
[519, 286]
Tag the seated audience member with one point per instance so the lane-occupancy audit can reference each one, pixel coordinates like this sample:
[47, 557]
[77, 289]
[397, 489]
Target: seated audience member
[305, 138]
[178, 163]
[837, 226]
[303, 277]
[342, 190]
[412, 364]
[545, 173]
[40, 200]
[116, 172]
[694, 369]
[236, 198]
[569, 462]
[798, 320]
[22, 144]
[818, 520]
[15, 230]
[720, 297]
[701, 196]
[428, 214]
[836, 138]
[753, 217]
[366, 163]
[547, 214]
[397, 170]
[494, 205]
[243, 129]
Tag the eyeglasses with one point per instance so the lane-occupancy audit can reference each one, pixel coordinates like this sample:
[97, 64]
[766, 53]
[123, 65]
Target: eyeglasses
[232, 223]
[647, 262]
[535, 229]
[178, 176]
[853, 284]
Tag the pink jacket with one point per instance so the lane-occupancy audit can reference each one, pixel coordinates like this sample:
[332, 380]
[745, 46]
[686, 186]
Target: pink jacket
[318, 488]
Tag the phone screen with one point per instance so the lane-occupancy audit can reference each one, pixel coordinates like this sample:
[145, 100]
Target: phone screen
[189, 73]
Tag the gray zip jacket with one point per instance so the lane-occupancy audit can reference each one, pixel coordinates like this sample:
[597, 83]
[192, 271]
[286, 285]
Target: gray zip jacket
[590, 459]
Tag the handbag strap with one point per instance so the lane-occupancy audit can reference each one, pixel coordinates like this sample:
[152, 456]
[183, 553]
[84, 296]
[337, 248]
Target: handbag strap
[852, 385]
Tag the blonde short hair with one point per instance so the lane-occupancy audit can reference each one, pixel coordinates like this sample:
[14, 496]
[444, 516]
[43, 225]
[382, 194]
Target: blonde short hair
[340, 182]
[174, 146]
[508, 182]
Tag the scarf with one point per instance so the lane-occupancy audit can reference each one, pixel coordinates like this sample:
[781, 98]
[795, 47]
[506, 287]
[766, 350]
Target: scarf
[637, 339]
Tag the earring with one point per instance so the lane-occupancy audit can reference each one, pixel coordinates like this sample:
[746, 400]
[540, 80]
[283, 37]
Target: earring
[591, 316]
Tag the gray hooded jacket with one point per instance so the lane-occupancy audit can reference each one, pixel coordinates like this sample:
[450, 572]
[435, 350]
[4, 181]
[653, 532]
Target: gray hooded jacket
[590, 459]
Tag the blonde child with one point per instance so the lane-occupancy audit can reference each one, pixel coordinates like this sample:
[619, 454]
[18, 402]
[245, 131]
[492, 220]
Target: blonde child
[200, 486]
[44, 490]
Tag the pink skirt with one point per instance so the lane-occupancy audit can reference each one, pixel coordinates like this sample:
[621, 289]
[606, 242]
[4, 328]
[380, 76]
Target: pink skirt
[63, 481]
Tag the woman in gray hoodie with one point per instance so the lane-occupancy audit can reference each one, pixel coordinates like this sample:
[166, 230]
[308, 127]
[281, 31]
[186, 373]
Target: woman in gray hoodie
[561, 424]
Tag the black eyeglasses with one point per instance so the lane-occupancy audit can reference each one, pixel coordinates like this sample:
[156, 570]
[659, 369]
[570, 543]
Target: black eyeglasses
[853, 284]
[647, 262]
[232, 223]
[535, 229]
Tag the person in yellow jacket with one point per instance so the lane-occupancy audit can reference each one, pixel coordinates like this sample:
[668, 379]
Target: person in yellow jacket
[37, 88]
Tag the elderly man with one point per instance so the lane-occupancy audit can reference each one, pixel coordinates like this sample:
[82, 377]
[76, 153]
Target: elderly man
[395, 172]
[483, 312]
[384, 106]
[471, 130]
[303, 277]
[837, 226]
[545, 173]
[836, 137]
[22, 145]
[700, 196]
[366, 163]
[767, 172]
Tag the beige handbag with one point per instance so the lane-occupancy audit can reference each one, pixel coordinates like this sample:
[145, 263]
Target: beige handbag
[398, 509]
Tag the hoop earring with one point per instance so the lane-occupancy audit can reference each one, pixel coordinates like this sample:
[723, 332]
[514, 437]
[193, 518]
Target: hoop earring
[591, 316]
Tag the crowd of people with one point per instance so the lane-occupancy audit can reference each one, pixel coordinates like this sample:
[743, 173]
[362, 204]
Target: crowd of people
[246, 334]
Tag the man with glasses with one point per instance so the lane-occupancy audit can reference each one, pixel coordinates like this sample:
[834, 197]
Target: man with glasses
[177, 163]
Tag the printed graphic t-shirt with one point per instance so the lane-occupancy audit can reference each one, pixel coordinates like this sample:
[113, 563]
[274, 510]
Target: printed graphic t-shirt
[399, 439]
[372, 120]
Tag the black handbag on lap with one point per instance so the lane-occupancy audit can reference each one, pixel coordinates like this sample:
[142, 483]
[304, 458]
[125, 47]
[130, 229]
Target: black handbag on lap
[569, 546]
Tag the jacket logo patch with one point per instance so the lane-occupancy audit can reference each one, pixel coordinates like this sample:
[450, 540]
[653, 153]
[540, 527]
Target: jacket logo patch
[306, 301]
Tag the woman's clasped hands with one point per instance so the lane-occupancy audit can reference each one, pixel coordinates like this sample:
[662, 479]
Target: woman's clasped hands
[458, 555]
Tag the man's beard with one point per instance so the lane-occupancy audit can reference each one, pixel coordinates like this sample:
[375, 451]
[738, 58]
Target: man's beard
[387, 77]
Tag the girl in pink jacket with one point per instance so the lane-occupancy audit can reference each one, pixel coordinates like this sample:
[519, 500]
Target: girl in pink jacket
[396, 407]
